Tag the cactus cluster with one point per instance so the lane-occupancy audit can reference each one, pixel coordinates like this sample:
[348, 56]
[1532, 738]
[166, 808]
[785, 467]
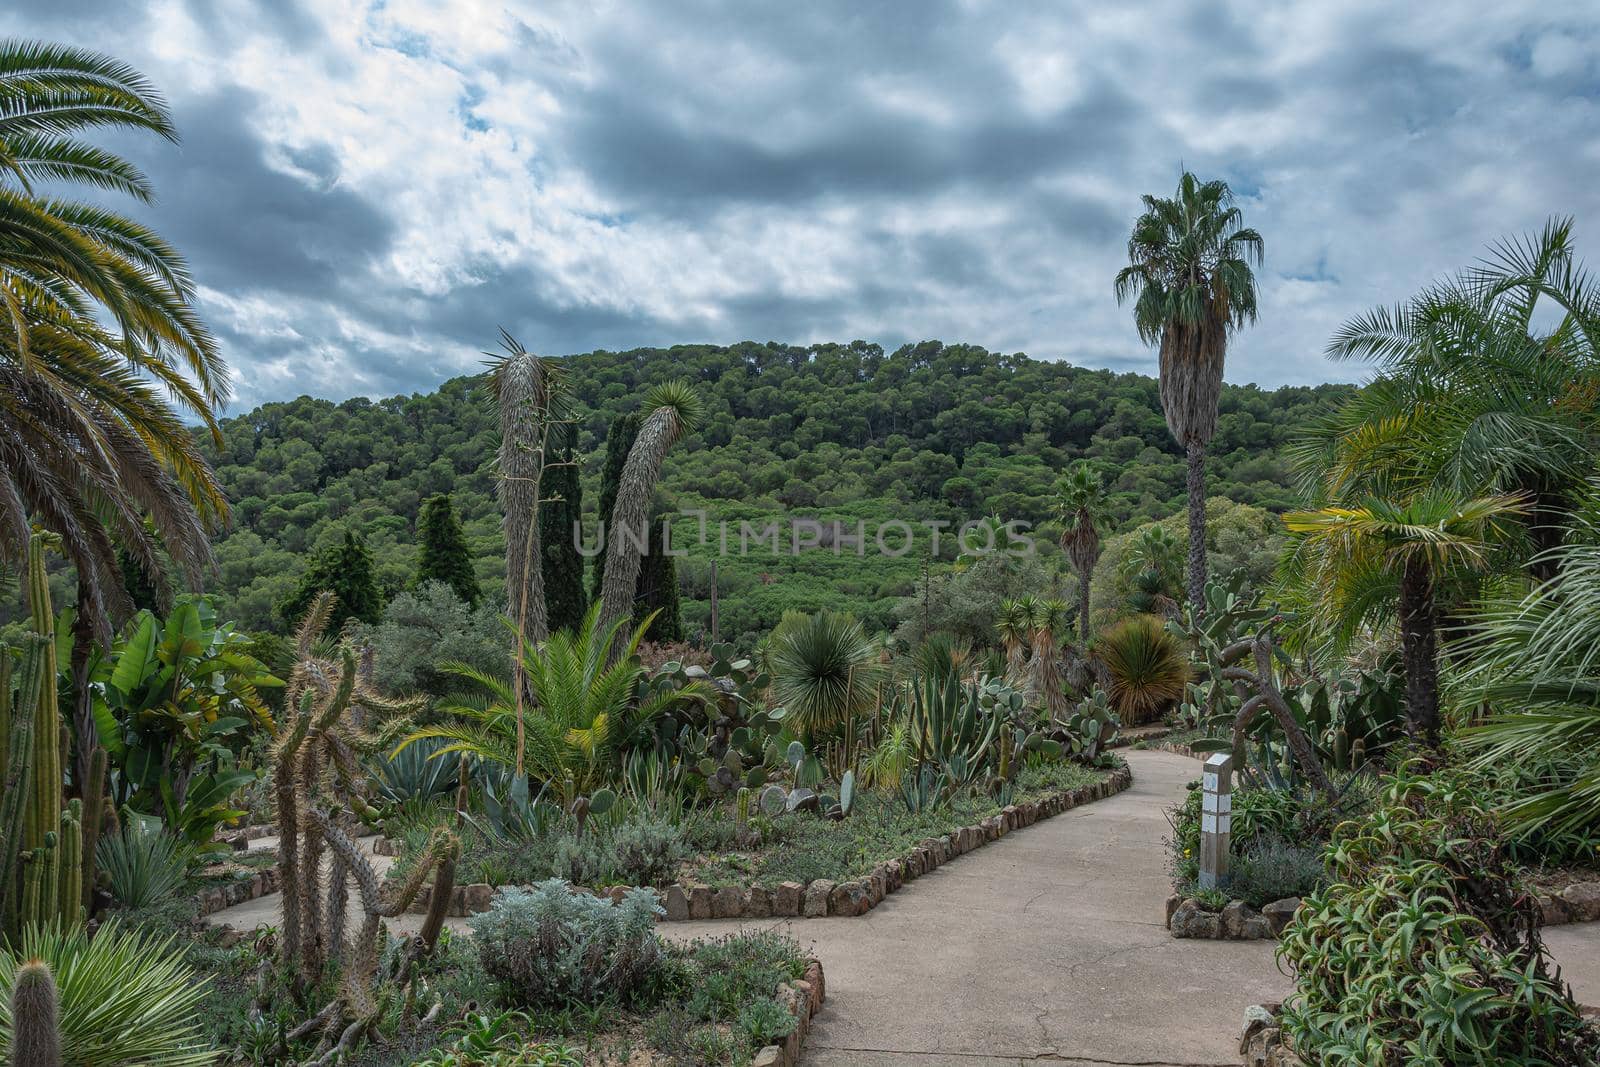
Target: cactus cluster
[46, 872]
[317, 775]
[1092, 727]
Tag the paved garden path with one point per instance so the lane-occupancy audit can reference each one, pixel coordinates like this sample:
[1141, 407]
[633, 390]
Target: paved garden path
[1044, 947]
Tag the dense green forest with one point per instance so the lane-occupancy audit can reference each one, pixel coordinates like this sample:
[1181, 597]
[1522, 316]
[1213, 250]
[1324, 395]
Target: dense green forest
[848, 432]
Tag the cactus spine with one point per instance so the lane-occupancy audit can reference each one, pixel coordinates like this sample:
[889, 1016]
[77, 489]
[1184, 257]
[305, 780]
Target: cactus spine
[35, 1034]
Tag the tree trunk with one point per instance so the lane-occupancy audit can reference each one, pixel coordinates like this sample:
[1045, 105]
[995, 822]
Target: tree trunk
[1419, 644]
[1197, 527]
[1083, 609]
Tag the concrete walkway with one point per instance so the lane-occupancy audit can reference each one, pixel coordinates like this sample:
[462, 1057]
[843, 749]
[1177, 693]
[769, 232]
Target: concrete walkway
[1046, 946]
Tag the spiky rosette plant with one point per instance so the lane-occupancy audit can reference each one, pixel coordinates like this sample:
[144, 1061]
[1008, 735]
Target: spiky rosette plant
[317, 777]
[1147, 667]
[672, 410]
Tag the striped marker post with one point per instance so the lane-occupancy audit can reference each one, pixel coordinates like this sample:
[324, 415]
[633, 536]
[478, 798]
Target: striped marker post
[1216, 817]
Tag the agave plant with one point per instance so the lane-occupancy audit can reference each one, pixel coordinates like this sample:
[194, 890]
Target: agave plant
[1147, 667]
[144, 864]
[825, 670]
[584, 710]
[125, 998]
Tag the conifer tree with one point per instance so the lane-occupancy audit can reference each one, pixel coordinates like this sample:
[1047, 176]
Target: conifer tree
[658, 589]
[565, 602]
[346, 572]
[444, 556]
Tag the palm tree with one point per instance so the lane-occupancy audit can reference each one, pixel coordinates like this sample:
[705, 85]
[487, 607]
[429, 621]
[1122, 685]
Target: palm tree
[825, 671]
[99, 339]
[671, 410]
[1480, 390]
[1081, 508]
[1356, 555]
[1154, 566]
[1189, 276]
[1050, 624]
[96, 322]
[1536, 658]
[585, 711]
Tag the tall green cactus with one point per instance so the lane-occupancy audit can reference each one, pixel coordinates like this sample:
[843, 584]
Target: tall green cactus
[35, 1029]
[44, 814]
[17, 783]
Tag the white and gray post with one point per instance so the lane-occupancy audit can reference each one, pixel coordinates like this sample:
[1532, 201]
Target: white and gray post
[1216, 815]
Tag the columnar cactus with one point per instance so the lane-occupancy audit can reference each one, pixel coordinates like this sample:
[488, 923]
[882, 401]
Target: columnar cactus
[35, 1033]
[316, 775]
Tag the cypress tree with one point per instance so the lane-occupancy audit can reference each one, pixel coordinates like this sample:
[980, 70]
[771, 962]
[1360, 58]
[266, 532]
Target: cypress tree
[560, 507]
[344, 570]
[444, 557]
[658, 589]
[618, 441]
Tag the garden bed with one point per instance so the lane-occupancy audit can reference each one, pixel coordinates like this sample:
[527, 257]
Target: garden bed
[817, 897]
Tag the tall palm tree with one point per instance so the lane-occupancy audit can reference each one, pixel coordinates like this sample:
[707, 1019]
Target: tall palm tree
[1081, 507]
[99, 339]
[1366, 556]
[96, 323]
[671, 410]
[1189, 276]
[1479, 390]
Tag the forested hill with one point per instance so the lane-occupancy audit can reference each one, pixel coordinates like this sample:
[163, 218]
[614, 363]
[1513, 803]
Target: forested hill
[931, 431]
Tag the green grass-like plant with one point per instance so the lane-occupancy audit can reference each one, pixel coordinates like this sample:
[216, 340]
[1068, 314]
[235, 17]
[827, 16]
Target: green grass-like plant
[144, 866]
[124, 998]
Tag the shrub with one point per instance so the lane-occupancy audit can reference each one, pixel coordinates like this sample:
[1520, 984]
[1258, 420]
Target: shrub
[1426, 949]
[765, 1022]
[1147, 667]
[645, 851]
[123, 998]
[144, 867]
[553, 948]
[1271, 869]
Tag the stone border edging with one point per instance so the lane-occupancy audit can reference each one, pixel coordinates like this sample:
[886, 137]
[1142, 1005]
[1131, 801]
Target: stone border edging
[1237, 921]
[803, 997]
[1177, 748]
[1579, 902]
[217, 898]
[822, 897]
[1262, 1043]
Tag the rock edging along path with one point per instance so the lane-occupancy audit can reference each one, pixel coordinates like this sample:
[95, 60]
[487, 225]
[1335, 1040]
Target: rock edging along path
[820, 897]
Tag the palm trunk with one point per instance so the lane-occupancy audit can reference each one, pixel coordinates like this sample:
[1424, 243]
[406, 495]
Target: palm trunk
[1197, 527]
[1419, 643]
[1083, 608]
[83, 710]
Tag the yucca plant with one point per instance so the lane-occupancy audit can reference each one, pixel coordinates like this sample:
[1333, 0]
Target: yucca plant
[124, 998]
[825, 671]
[672, 409]
[1146, 665]
[143, 864]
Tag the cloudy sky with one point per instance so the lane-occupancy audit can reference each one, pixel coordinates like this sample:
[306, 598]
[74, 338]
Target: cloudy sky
[367, 189]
